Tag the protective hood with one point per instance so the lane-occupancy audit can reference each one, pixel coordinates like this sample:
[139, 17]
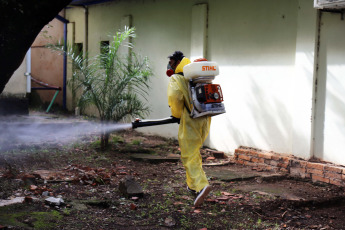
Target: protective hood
[184, 61]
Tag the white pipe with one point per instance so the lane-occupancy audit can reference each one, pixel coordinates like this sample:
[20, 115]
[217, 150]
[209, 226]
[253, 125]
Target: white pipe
[28, 71]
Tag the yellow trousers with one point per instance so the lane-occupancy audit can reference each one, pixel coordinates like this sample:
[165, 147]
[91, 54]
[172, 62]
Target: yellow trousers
[191, 136]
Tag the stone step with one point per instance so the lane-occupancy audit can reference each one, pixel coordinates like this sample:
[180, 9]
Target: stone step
[155, 159]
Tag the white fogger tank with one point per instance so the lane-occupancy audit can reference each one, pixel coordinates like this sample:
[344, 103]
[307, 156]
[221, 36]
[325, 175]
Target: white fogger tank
[206, 97]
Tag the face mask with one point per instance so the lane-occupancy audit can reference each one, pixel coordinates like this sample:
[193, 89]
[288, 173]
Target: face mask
[170, 71]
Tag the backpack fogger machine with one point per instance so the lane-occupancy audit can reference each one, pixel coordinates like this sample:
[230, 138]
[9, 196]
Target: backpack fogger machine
[206, 97]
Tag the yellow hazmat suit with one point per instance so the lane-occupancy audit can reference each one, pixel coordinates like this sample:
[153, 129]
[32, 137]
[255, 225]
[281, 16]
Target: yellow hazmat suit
[192, 131]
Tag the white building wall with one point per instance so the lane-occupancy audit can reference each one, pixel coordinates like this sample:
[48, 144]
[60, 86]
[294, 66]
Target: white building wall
[254, 42]
[265, 50]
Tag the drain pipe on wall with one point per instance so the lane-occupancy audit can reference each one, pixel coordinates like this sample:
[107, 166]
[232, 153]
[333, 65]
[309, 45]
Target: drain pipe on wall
[28, 71]
[64, 88]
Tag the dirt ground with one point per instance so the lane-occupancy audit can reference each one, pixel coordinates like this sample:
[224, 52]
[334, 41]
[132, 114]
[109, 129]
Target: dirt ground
[87, 180]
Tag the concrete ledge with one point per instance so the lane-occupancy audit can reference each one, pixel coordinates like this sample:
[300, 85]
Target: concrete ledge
[269, 161]
[155, 159]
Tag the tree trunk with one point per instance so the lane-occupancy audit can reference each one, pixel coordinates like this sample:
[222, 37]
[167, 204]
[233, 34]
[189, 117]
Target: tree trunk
[104, 140]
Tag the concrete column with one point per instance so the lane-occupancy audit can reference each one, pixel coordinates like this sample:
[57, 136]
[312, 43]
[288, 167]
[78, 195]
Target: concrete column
[71, 101]
[303, 80]
[199, 31]
[125, 21]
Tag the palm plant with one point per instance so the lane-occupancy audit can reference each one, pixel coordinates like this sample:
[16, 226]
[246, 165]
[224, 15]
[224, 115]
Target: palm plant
[115, 84]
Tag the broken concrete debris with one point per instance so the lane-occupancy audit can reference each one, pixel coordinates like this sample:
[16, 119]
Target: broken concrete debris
[216, 154]
[169, 222]
[15, 200]
[53, 201]
[45, 193]
[130, 188]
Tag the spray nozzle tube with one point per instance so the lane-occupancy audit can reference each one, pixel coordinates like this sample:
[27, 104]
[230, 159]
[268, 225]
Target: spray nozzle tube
[139, 123]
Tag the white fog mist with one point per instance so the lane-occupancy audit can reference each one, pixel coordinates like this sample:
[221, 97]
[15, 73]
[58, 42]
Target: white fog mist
[50, 131]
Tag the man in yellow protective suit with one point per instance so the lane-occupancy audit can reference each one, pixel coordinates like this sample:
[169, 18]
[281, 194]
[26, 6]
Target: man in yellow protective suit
[192, 131]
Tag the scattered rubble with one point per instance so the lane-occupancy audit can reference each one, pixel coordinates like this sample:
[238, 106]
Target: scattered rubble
[130, 188]
[15, 200]
[216, 154]
[76, 174]
[119, 193]
[53, 201]
[169, 222]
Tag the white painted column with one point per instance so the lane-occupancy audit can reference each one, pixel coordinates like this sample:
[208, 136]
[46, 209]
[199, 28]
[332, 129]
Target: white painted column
[199, 32]
[125, 21]
[303, 80]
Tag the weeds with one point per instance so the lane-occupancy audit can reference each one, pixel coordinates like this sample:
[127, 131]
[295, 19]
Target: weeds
[117, 140]
[136, 142]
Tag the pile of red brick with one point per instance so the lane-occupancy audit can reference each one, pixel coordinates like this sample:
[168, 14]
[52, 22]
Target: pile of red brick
[270, 161]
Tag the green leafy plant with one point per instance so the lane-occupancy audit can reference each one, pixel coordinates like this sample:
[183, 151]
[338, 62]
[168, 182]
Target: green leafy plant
[115, 84]
[117, 139]
[136, 142]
